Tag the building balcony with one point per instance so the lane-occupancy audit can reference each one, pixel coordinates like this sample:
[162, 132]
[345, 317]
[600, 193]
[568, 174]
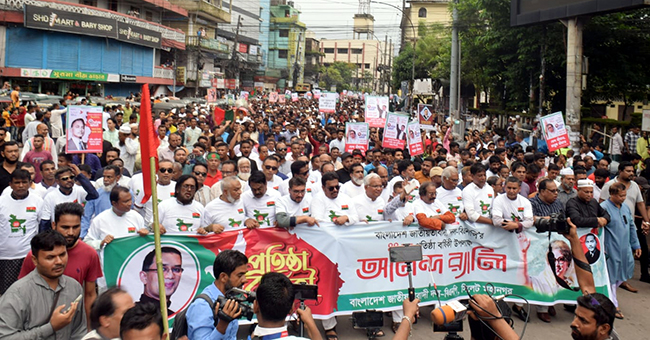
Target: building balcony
[162, 72]
[208, 43]
[211, 10]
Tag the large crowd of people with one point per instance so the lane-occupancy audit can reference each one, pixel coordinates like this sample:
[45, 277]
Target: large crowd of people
[281, 165]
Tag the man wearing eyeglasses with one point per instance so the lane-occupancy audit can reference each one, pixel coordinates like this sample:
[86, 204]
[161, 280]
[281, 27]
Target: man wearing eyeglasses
[183, 214]
[294, 208]
[173, 272]
[450, 196]
[67, 192]
[332, 206]
[165, 188]
[260, 201]
[270, 169]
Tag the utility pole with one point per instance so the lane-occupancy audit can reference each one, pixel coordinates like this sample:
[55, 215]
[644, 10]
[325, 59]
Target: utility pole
[385, 69]
[296, 65]
[453, 77]
[574, 79]
[174, 88]
[233, 59]
[199, 33]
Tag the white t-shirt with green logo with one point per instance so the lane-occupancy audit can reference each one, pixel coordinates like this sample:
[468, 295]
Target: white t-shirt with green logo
[181, 219]
[19, 221]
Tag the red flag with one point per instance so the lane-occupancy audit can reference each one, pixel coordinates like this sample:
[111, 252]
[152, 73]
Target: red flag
[148, 142]
[219, 115]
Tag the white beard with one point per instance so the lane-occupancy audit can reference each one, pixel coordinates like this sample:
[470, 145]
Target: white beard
[110, 187]
[357, 181]
[230, 198]
[244, 176]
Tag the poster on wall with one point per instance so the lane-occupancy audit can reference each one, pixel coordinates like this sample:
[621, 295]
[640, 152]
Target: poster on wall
[85, 129]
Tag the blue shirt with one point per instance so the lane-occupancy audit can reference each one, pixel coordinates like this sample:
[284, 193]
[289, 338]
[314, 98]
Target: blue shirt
[200, 319]
[94, 208]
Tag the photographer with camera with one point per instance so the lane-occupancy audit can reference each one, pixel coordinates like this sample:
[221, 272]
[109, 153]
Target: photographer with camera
[275, 297]
[220, 323]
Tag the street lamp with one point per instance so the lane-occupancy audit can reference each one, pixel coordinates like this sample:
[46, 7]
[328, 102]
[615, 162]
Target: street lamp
[415, 40]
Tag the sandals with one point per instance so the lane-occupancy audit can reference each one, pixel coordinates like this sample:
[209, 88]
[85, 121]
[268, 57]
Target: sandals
[619, 315]
[378, 333]
[395, 326]
[331, 336]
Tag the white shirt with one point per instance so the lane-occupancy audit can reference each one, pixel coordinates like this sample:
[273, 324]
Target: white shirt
[616, 145]
[181, 219]
[433, 209]
[274, 184]
[414, 193]
[231, 216]
[19, 221]
[288, 206]
[78, 195]
[310, 189]
[368, 209]
[517, 210]
[352, 190]
[261, 209]
[48, 189]
[339, 144]
[129, 152]
[37, 190]
[109, 223]
[325, 209]
[215, 190]
[477, 201]
[164, 192]
[451, 200]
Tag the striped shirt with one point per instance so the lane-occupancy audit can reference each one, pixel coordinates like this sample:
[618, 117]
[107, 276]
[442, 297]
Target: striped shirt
[541, 208]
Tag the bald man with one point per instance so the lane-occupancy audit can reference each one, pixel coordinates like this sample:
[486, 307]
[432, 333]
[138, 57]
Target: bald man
[48, 143]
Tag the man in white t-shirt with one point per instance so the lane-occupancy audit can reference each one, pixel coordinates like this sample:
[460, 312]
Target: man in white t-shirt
[450, 196]
[293, 209]
[331, 206]
[370, 206]
[226, 212]
[182, 214]
[165, 188]
[406, 174]
[512, 211]
[478, 196]
[270, 169]
[67, 192]
[300, 169]
[34, 189]
[119, 221]
[354, 187]
[259, 202]
[19, 218]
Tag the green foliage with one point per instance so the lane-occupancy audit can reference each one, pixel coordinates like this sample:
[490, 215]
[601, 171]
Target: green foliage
[338, 74]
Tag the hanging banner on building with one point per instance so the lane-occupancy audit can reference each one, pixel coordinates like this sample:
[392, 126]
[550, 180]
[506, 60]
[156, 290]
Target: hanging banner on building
[376, 111]
[273, 97]
[555, 131]
[461, 259]
[425, 116]
[327, 103]
[138, 35]
[415, 139]
[85, 129]
[395, 131]
[356, 137]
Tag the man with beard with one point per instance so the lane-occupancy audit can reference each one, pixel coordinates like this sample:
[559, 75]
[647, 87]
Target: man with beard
[299, 169]
[10, 155]
[182, 214]
[281, 153]
[259, 202]
[180, 157]
[600, 177]
[172, 262]
[566, 191]
[103, 202]
[230, 268]
[68, 192]
[354, 188]
[119, 221]
[584, 210]
[83, 262]
[331, 206]
[19, 217]
[227, 210]
[203, 193]
[293, 209]
[129, 146]
[244, 169]
[450, 196]
[37, 317]
[168, 151]
[424, 174]
[406, 171]
[344, 172]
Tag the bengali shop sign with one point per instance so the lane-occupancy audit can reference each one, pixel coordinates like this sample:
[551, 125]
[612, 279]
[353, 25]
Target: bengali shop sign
[85, 129]
[555, 131]
[351, 277]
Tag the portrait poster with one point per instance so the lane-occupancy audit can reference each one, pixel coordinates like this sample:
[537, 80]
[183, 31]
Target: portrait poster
[273, 97]
[327, 103]
[282, 99]
[426, 116]
[376, 111]
[294, 97]
[212, 95]
[316, 93]
[415, 139]
[395, 131]
[356, 137]
[555, 131]
[85, 129]
[244, 95]
[230, 99]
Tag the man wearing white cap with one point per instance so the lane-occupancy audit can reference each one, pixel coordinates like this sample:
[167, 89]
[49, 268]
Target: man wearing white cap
[129, 146]
[566, 190]
[584, 210]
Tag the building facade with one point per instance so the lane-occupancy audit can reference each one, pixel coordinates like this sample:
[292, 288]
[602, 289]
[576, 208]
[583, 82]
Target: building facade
[427, 12]
[94, 47]
[286, 56]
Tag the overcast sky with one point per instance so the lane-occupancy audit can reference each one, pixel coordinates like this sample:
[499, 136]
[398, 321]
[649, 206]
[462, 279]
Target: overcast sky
[334, 19]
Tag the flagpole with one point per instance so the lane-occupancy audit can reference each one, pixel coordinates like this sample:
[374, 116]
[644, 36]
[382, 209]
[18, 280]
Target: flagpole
[156, 236]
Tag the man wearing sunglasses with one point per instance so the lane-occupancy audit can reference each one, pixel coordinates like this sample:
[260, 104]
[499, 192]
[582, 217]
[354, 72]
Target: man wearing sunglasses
[259, 201]
[183, 215]
[270, 168]
[300, 169]
[67, 192]
[165, 187]
[333, 206]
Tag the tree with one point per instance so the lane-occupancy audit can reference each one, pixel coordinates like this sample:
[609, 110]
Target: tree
[338, 74]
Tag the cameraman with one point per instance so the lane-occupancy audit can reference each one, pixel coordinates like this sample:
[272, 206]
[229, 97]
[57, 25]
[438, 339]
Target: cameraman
[230, 268]
[275, 297]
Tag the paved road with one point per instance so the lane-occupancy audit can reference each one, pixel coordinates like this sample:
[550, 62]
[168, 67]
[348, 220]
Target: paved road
[634, 306]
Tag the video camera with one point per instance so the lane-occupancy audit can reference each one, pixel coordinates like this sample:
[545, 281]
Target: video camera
[243, 297]
[555, 223]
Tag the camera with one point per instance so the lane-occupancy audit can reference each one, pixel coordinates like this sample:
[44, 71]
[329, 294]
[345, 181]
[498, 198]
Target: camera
[304, 291]
[243, 297]
[555, 223]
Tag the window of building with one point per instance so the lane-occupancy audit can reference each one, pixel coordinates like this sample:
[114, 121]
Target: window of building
[422, 13]
[366, 66]
[284, 33]
[148, 16]
[89, 3]
[342, 51]
[112, 5]
[282, 54]
[329, 50]
[357, 51]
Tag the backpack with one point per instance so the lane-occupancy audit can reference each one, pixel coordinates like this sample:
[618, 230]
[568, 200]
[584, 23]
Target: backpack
[179, 327]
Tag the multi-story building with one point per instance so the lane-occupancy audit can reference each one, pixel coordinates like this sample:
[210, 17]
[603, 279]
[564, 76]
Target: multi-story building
[286, 57]
[89, 47]
[423, 11]
[312, 58]
[367, 55]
